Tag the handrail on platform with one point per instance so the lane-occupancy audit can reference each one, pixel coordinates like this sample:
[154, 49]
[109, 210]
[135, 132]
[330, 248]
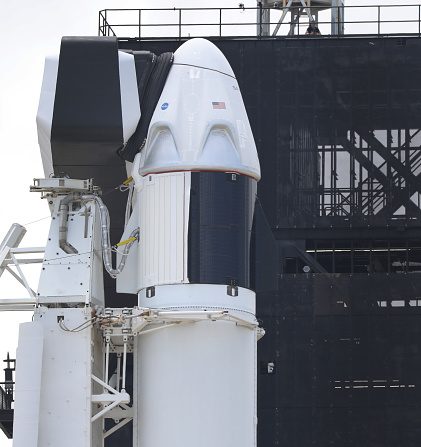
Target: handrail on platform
[182, 23]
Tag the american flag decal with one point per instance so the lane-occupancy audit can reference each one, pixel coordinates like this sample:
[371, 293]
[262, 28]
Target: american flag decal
[218, 105]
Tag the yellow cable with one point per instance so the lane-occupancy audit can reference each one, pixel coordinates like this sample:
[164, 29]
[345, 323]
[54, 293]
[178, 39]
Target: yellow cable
[128, 181]
[125, 242]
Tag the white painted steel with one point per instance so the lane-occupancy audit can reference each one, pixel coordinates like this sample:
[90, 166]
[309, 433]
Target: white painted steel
[65, 276]
[200, 122]
[321, 4]
[17, 304]
[199, 296]
[53, 381]
[45, 112]
[127, 281]
[28, 385]
[130, 107]
[196, 382]
[63, 185]
[12, 239]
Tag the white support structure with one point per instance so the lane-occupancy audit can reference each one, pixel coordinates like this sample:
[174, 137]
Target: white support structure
[287, 9]
[193, 342]
[9, 257]
[298, 8]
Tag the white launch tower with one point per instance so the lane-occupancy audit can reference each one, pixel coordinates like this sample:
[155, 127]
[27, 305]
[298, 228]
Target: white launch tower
[193, 334]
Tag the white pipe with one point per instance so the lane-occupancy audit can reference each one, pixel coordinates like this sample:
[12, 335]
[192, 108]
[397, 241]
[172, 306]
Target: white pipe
[105, 237]
[118, 371]
[129, 205]
[63, 215]
[107, 361]
[123, 384]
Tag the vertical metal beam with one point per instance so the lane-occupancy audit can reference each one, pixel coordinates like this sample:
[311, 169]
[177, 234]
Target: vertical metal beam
[263, 19]
[294, 17]
[140, 24]
[281, 20]
[308, 11]
[337, 23]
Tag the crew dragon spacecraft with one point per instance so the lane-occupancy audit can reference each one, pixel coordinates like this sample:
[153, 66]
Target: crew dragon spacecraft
[181, 363]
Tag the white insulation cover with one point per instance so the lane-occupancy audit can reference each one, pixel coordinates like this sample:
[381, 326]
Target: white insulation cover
[200, 122]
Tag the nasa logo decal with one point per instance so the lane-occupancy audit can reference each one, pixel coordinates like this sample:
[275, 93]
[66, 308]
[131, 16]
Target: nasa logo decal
[164, 106]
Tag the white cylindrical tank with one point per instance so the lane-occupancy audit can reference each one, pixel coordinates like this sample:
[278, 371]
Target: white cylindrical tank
[195, 180]
[196, 383]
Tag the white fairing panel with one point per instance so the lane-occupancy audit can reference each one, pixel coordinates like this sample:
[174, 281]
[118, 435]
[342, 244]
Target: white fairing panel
[59, 363]
[130, 107]
[200, 122]
[127, 281]
[163, 229]
[161, 214]
[28, 385]
[45, 113]
[75, 278]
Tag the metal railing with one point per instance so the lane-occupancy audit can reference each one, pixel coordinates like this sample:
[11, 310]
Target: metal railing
[182, 23]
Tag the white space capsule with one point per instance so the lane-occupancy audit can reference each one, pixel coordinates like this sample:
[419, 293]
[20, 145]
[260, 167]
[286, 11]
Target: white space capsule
[195, 183]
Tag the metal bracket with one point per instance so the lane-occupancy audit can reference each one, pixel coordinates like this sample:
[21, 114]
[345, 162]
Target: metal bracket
[111, 400]
[61, 186]
[287, 9]
[8, 258]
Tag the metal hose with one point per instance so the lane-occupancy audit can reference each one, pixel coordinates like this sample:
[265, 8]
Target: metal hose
[105, 237]
[63, 215]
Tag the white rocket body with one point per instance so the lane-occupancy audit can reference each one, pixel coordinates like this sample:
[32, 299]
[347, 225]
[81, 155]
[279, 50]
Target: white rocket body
[196, 383]
[194, 192]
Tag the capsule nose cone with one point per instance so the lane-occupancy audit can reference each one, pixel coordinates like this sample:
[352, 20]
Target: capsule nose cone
[204, 54]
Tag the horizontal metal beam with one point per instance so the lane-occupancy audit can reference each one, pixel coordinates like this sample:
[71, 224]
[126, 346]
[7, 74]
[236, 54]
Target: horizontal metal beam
[347, 233]
[385, 153]
[400, 194]
[6, 415]
[24, 261]
[27, 250]
[16, 304]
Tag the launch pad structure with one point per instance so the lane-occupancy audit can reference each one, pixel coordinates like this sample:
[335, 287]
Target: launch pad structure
[336, 240]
